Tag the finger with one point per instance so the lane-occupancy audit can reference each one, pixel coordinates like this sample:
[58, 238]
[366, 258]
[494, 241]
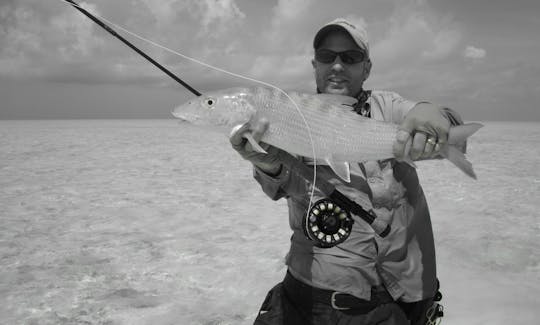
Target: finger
[235, 137]
[259, 127]
[437, 149]
[428, 149]
[408, 145]
[408, 124]
[441, 130]
[399, 146]
[442, 137]
[418, 145]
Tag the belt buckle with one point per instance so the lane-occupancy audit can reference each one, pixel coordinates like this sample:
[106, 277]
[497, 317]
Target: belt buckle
[333, 301]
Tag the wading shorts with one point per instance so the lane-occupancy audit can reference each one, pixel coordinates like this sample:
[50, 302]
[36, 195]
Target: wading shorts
[292, 302]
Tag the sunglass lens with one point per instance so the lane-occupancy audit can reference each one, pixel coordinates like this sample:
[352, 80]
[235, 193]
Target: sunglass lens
[325, 56]
[351, 57]
[348, 57]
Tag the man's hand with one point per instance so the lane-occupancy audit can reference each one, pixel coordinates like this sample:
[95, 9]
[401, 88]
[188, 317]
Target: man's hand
[423, 131]
[270, 162]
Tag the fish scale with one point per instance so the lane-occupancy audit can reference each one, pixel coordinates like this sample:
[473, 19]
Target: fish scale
[338, 134]
[329, 125]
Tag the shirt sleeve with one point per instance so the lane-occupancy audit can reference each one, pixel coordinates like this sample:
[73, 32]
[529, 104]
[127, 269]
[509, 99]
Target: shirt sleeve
[391, 106]
[281, 185]
[400, 107]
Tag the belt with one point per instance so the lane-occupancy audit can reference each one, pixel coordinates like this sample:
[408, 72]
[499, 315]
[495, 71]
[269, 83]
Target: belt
[305, 295]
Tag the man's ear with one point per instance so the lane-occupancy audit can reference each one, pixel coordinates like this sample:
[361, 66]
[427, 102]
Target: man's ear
[367, 69]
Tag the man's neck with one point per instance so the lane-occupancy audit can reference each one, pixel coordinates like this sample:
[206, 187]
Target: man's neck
[362, 107]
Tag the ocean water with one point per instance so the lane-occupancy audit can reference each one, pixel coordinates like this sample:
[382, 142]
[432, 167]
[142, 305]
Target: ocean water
[156, 222]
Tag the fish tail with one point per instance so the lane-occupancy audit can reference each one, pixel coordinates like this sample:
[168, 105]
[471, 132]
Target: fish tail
[458, 158]
[460, 133]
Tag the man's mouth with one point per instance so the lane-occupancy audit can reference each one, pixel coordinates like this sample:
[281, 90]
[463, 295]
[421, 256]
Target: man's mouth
[336, 81]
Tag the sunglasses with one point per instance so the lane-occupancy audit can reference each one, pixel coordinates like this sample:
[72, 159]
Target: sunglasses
[348, 57]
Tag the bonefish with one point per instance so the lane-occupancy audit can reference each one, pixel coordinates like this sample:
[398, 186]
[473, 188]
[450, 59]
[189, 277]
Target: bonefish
[340, 136]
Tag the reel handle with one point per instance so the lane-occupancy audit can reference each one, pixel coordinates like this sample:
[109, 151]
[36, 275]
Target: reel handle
[381, 227]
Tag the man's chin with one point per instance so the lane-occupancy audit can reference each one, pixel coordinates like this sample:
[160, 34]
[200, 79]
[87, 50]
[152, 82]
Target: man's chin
[337, 90]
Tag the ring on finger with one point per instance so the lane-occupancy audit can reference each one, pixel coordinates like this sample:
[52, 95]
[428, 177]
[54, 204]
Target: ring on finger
[432, 141]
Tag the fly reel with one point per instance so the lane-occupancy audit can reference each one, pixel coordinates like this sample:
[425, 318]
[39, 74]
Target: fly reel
[327, 224]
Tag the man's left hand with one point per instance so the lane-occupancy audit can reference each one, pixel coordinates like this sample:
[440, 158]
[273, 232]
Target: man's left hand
[421, 133]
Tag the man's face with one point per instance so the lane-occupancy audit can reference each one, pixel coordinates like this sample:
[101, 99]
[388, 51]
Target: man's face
[338, 77]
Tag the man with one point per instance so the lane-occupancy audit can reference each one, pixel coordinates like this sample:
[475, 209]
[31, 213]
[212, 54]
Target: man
[366, 279]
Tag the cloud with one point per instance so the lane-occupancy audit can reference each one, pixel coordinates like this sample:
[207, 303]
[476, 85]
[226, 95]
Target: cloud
[287, 28]
[78, 39]
[56, 42]
[21, 41]
[287, 10]
[418, 48]
[443, 44]
[416, 35]
[417, 52]
[474, 53]
[164, 13]
[217, 15]
[283, 71]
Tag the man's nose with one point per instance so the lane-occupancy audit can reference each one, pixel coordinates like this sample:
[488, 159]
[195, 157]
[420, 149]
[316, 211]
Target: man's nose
[337, 65]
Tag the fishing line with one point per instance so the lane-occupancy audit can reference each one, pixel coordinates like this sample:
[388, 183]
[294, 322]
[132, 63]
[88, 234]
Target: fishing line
[312, 194]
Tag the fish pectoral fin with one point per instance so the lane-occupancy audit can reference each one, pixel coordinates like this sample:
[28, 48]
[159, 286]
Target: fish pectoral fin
[238, 128]
[340, 168]
[256, 146]
[355, 169]
[242, 128]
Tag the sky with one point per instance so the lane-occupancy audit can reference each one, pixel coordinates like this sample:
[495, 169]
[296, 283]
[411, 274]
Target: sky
[479, 57]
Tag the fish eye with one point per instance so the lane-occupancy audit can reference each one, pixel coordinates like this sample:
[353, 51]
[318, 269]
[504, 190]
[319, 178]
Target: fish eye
[209, 102]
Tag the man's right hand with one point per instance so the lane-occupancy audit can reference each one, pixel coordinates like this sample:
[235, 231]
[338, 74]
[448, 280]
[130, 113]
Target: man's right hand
[270, 162]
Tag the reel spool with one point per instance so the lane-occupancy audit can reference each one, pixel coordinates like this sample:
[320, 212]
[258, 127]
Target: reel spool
[327, 224]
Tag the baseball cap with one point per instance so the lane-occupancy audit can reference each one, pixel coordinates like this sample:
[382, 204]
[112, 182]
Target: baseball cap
[358, 33]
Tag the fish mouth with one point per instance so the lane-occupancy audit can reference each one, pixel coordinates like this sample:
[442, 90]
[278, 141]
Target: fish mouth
[177, 115]
[185, 117]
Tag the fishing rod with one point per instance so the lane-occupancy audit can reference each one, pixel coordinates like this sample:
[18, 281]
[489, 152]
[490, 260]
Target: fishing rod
[133, 47]
[328, 222]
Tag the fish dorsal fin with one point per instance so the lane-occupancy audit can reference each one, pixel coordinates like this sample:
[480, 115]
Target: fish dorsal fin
[340, 168]
[337, 99]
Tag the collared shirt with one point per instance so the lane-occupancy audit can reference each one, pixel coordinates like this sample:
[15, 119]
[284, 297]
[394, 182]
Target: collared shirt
[404, 261]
